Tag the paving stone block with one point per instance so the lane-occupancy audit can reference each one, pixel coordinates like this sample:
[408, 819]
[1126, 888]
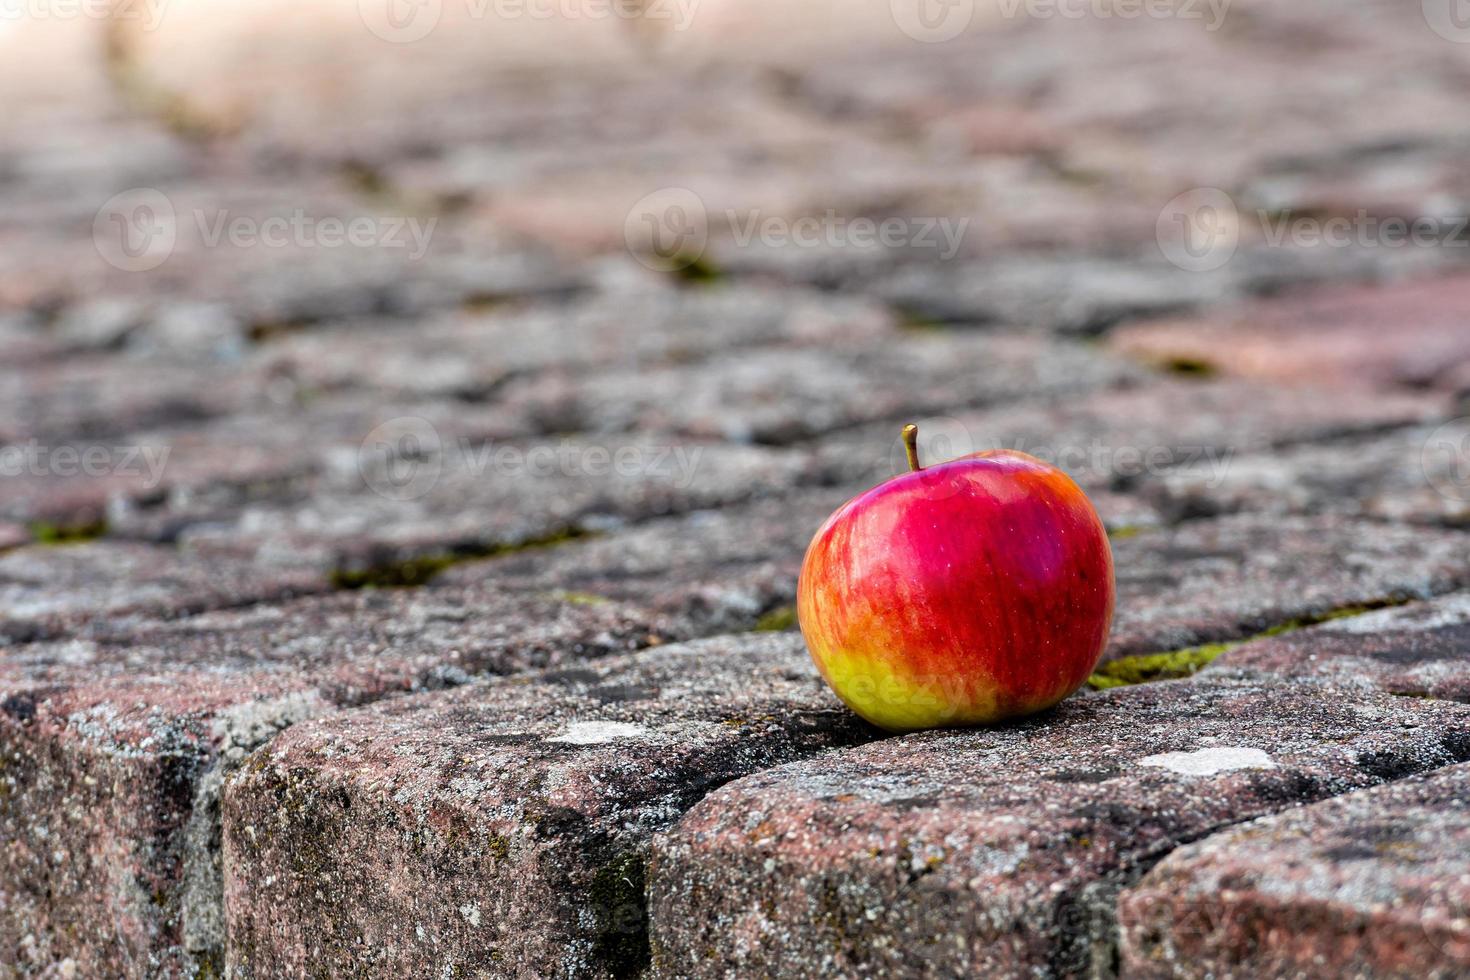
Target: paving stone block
[1408, 333]
[501, 829]
[108, 396]
[778, 396]
[1415, 474]
[1233, 577]
[47, 590]
[1071, 294]
[1001, 852]
[13, 536]
[115, 745]
[1372, 884]
[22, 341]
[712, 571]
[1136, 434]
[478, 500]
[471, 354]
[1419, 650]
[153, 484]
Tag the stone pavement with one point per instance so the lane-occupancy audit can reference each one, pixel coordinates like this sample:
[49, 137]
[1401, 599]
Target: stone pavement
[407, 455]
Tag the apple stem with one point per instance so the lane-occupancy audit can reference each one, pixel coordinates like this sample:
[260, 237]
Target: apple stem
[911, 445]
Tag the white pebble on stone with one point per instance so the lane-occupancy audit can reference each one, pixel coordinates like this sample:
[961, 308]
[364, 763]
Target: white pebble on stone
[598, 732]
[1207, 762]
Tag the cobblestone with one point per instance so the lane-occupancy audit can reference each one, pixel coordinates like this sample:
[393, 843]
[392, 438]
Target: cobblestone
[1371, 884]
[509, 821]
[563, 453]
[1002, 852]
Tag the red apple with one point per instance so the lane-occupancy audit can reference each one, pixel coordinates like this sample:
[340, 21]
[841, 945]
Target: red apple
[959, 594]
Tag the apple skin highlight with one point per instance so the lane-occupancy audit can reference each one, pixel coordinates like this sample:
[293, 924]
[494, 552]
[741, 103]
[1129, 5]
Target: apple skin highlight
[959, 594]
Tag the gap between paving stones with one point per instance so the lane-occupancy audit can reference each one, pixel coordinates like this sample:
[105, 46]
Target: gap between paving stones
[1149, 668]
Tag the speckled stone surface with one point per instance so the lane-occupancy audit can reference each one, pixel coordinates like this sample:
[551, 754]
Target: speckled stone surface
[508, 821]
[712, 571]
[1418, 650]
[1000, 852]
[1232, 577]
[48, 590]
[114, 747]
[1137, 433]
[1372, 884]
[155, 483]
[1402, 334]
[493, 496]
[501, 417]
[468, 354]
[97, 396]
[1414, 474]
[777, 396]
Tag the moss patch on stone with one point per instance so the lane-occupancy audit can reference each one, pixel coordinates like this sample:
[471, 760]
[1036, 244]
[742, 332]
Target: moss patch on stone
[778, 620]
[1174, 664]
[55, 534]
[1126, 671]
[617, 897]
[416, 571]
[1189, 367]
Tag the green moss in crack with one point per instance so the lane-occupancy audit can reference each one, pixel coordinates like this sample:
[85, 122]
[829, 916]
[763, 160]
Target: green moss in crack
[778, 620]
[45, 532]
[617, 896]
[1190, 367]
[690, 268]
[1143, 669]
[912, 322]
[1174, 664]
[580, 598]
[208, 966]
[412, 572]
